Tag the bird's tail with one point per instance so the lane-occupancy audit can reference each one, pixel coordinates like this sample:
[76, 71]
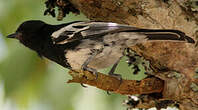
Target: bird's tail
[172, 35]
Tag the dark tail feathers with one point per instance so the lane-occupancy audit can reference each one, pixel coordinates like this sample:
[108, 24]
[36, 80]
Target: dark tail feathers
[153, 34]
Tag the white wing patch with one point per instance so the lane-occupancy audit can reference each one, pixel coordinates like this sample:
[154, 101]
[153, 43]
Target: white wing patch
[112, 24]
[85, 29]
[70, 27]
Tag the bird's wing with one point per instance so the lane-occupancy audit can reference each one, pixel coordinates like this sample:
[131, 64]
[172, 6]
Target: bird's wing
[84, 30]
[95, 30]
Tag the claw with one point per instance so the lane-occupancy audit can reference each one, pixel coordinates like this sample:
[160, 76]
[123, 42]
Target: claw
[108, 93]
[118, 76]
[93, 71]
[83, 85]
[111, 72]
[96, 74]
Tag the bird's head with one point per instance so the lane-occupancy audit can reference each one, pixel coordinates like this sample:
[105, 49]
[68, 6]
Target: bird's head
[30, 33]
[27, 30]
[36, 35]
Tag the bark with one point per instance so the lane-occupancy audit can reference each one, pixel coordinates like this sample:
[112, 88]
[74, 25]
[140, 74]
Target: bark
[112, 84]
[174, 63]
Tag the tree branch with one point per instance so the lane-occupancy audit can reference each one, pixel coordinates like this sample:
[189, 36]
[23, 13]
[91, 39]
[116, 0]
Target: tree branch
[180, 60]
[112, 84]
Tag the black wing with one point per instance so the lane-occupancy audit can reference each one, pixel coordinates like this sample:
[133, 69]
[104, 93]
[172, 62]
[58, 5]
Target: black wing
[85, 30]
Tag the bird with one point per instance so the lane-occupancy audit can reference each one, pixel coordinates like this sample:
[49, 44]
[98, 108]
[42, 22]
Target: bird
[89, 45]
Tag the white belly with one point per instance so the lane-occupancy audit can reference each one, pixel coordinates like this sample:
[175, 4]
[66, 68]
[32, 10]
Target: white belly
[108, 57]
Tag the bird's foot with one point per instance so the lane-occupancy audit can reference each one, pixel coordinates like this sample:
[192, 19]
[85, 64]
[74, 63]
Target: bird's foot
[118, 76]
[93, 71]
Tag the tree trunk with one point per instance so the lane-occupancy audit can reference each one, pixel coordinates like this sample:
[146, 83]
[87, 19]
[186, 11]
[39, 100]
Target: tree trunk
[179, 59]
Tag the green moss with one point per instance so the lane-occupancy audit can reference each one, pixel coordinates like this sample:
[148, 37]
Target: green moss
[193, 4]
[194, 87]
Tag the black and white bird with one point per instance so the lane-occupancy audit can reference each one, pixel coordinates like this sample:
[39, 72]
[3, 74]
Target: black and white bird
[88, 45]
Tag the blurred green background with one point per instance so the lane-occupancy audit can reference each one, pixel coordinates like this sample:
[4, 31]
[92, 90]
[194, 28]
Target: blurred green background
[28, 82]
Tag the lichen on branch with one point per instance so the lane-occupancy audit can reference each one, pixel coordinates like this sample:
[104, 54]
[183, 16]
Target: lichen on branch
[112, 84]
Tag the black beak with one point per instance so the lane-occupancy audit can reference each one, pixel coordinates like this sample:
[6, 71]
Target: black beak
[14, 35]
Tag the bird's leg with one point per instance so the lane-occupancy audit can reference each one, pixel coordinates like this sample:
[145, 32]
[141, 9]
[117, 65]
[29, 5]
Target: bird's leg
[93, 54]
[111, 72]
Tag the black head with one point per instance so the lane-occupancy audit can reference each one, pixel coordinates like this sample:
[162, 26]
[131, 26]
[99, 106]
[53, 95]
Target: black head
[31, 26]
[36, 35]
[30, 33]
[27, 27]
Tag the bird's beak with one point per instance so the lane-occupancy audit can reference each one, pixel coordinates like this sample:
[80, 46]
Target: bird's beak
[14, 35]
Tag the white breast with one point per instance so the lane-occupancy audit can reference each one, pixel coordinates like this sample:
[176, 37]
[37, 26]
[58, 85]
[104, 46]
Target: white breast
[77, 58]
